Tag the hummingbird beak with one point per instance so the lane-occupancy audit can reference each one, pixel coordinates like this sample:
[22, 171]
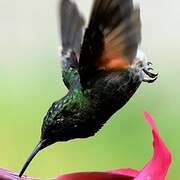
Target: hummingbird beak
[41, 145]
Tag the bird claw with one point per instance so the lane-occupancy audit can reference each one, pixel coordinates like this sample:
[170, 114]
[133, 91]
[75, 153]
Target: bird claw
[150, 80]
[150, 69]
[152, 76]
[149, 63]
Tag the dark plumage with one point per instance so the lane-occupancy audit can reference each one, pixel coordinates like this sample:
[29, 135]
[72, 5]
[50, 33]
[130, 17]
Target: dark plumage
[101, 75]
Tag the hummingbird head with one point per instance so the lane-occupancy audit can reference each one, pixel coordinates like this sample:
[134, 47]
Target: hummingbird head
[58, 125]
[56, 122]
[49, 133]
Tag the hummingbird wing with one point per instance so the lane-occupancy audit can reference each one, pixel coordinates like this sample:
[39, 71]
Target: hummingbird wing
[71, 26]
[72, 23]
[111, 39]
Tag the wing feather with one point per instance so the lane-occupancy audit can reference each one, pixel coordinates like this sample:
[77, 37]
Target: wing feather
[112, 37]
[72, 24]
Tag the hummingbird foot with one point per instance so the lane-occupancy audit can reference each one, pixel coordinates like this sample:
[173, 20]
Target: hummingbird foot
[144, 68]
[148, 72]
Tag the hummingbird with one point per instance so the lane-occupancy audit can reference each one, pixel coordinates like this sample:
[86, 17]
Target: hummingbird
[102, 67]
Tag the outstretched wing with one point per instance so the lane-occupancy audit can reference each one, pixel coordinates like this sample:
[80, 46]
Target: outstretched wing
[71, 27]
[72, 24]
[111, 39]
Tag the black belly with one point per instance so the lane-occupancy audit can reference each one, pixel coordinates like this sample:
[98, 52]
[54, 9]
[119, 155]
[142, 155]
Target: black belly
[109, 94]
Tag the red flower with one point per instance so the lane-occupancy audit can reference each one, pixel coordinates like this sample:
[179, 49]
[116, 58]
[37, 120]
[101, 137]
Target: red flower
[155, 169]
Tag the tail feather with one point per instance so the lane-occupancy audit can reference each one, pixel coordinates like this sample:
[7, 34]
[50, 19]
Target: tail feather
[71, 26]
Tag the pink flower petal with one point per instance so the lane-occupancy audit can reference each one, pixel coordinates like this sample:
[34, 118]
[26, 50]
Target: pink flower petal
[157, 167]
[128, 172]
[8, 175]
[94, 176]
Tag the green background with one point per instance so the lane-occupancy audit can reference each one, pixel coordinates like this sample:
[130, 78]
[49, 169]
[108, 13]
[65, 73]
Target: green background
[30, 80]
